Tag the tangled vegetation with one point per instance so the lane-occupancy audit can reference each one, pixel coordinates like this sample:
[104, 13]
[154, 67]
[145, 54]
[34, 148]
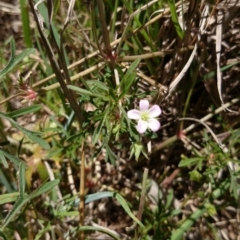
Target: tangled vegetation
[119, 119]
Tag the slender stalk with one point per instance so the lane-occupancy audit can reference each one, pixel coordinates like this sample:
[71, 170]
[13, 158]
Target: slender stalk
[105, 33]
[55, 64]
[94, 31]
[190, 92]
[82, 193]
[142, 198]
[143, 194]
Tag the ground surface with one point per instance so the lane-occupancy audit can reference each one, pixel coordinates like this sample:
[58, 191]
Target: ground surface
[163, 163]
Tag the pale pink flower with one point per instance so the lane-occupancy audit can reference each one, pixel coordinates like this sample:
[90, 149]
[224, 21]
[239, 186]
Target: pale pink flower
[146, 116]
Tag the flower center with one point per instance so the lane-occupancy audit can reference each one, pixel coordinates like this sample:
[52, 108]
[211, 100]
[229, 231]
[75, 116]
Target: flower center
[145, 116]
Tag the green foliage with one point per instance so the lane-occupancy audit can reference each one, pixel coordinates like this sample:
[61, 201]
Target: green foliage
[14, 60]
[26, 23]
[128, 79]
[109, 118]
[195, 176]
[31, 135]
[121, 52]
[119, 198]
[174, 15]
[12, 158]
[23, 198]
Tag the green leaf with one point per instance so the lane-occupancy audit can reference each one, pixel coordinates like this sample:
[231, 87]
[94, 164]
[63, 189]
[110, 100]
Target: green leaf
[31, 135]
[170, 199]
[178, 234]
[96, 196]
[129, 78]
[137, 22]
[176, 212]
[125, 206]
[23, 111]
[22, 200]
[177, 26]
[137, 148]
[234, 187]
[14, 60]
[85, 92]
[97, 85]
[110, 154]
[210, 209]
[189, 161]
[44, 230]
[8, 197]
[4, 236]
[132, 67]
[98, 129]
[3, 160]
[22, 55]
[26, 23]
[120, 199]
[195, 176]
[14, 211]
[43, 12]
[98, 116]
[44, 188]
[10, 62]
[224, 68]
[22, 179]
[63, 214]
[9, 156]
[5, 181]
[91, 228]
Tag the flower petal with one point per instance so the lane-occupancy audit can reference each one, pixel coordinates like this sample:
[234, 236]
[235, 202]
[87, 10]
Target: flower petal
[142, 126]
[154, 124]
[143, 105]
[134, 114]
[154, 111]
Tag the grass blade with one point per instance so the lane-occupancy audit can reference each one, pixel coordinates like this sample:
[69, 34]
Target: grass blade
[25, 23]
[177, 26]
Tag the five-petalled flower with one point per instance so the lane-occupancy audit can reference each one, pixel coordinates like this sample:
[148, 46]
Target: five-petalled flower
[146, 116]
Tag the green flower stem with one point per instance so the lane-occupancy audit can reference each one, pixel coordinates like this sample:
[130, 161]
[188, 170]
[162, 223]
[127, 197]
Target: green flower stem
[142, 199]
[143, 194]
